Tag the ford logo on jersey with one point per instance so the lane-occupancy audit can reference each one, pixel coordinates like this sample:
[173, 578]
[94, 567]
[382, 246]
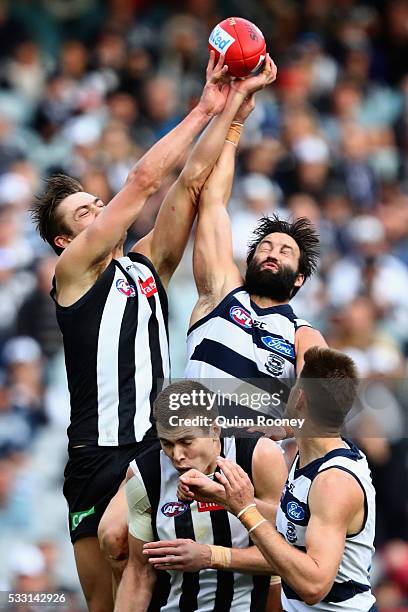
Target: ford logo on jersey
[295, 511]
[278, 345]
[123, 287]
[241, 316]
[173, 509]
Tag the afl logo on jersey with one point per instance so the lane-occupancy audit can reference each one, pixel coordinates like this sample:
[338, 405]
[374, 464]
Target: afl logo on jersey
[295, 512]
[279, 346]
[241, 316]
[123, 287]
[173, 509]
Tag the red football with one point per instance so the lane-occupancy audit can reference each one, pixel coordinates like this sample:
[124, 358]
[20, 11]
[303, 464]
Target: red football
[242, 43]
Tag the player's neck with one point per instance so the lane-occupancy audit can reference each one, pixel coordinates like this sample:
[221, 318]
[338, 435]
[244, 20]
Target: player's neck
[265, 302]
[117, 252]
[315, 448]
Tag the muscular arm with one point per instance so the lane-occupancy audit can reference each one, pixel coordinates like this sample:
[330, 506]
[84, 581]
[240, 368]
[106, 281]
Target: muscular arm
[166, 242]
[215, 271]
[98, 240]
[335, 501]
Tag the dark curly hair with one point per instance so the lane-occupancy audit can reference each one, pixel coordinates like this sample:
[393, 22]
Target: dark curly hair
[302, 232]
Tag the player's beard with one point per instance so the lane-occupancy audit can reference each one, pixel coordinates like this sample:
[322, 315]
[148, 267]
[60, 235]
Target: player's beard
[277, 286]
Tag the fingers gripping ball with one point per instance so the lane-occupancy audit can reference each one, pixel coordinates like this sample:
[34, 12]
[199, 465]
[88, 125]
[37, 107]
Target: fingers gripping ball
[242, 43]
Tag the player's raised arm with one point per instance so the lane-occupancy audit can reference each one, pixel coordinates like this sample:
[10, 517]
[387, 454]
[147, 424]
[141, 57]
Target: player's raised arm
[165, 244]
[109, 224]
[215, 271]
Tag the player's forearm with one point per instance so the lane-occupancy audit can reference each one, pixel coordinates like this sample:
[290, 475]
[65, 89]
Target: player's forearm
[249, 561]
[135, 590]
[217, 190]
[158, 162]
[297, 568]
[210, 145]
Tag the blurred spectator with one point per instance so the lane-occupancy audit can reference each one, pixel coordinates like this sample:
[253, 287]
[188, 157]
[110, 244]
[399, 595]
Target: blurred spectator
[24, 362]
[371, 271]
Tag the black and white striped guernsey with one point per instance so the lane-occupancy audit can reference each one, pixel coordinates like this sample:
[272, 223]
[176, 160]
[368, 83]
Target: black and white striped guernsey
[116, 350]
[351, 590]
[208, 590]
[238, 339]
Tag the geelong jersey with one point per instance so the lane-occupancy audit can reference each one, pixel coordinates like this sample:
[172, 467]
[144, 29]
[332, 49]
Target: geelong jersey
[208, 590]
[116, 349]
[351, 589]
[238, 339]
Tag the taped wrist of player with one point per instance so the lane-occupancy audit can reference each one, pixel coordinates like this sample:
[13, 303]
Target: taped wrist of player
[220, 557]
[234, 133]
[250, 517]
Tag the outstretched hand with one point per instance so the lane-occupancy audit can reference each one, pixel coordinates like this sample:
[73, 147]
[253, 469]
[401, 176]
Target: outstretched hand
[217, 86]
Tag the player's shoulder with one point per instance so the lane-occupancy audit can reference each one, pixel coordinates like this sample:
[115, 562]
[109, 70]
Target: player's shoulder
[335, 490]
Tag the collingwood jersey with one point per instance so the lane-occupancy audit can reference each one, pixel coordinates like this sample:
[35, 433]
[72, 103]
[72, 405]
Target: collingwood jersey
[209, 590]
[116, 349]
[238, 339]
[351, 589]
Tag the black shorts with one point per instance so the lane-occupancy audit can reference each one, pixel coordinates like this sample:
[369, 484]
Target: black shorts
[93, 475]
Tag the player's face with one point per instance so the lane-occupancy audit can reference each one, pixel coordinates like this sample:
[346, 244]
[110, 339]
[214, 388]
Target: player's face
[186, 451]
[80, 210]
[273, 271]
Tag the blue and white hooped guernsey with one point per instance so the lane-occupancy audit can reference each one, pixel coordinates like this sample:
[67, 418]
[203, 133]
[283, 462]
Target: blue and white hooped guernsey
[351, 589]
[238, 339]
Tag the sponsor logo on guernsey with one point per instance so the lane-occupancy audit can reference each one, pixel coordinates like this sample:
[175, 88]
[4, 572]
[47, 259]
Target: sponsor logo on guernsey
[279, 346]
[291, 534]
[241, 316]
[220, 39]
[275, 365]
[148, 287]
[295, 511]
[173, 509]
[208, 506]
[77, 517]
[123, 287]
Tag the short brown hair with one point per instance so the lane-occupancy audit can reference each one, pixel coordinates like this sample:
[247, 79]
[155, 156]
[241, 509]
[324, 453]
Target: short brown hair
[329, 380]
[162, 407]
[44, 211]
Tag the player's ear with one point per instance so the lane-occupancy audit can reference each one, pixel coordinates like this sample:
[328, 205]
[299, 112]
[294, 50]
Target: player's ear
[62, 241]
[300, 279]
[301, 401]
[215, 432]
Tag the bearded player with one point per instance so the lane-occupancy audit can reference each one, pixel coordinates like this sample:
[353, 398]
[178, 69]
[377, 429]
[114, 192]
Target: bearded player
[112, 310]
[245, 328]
